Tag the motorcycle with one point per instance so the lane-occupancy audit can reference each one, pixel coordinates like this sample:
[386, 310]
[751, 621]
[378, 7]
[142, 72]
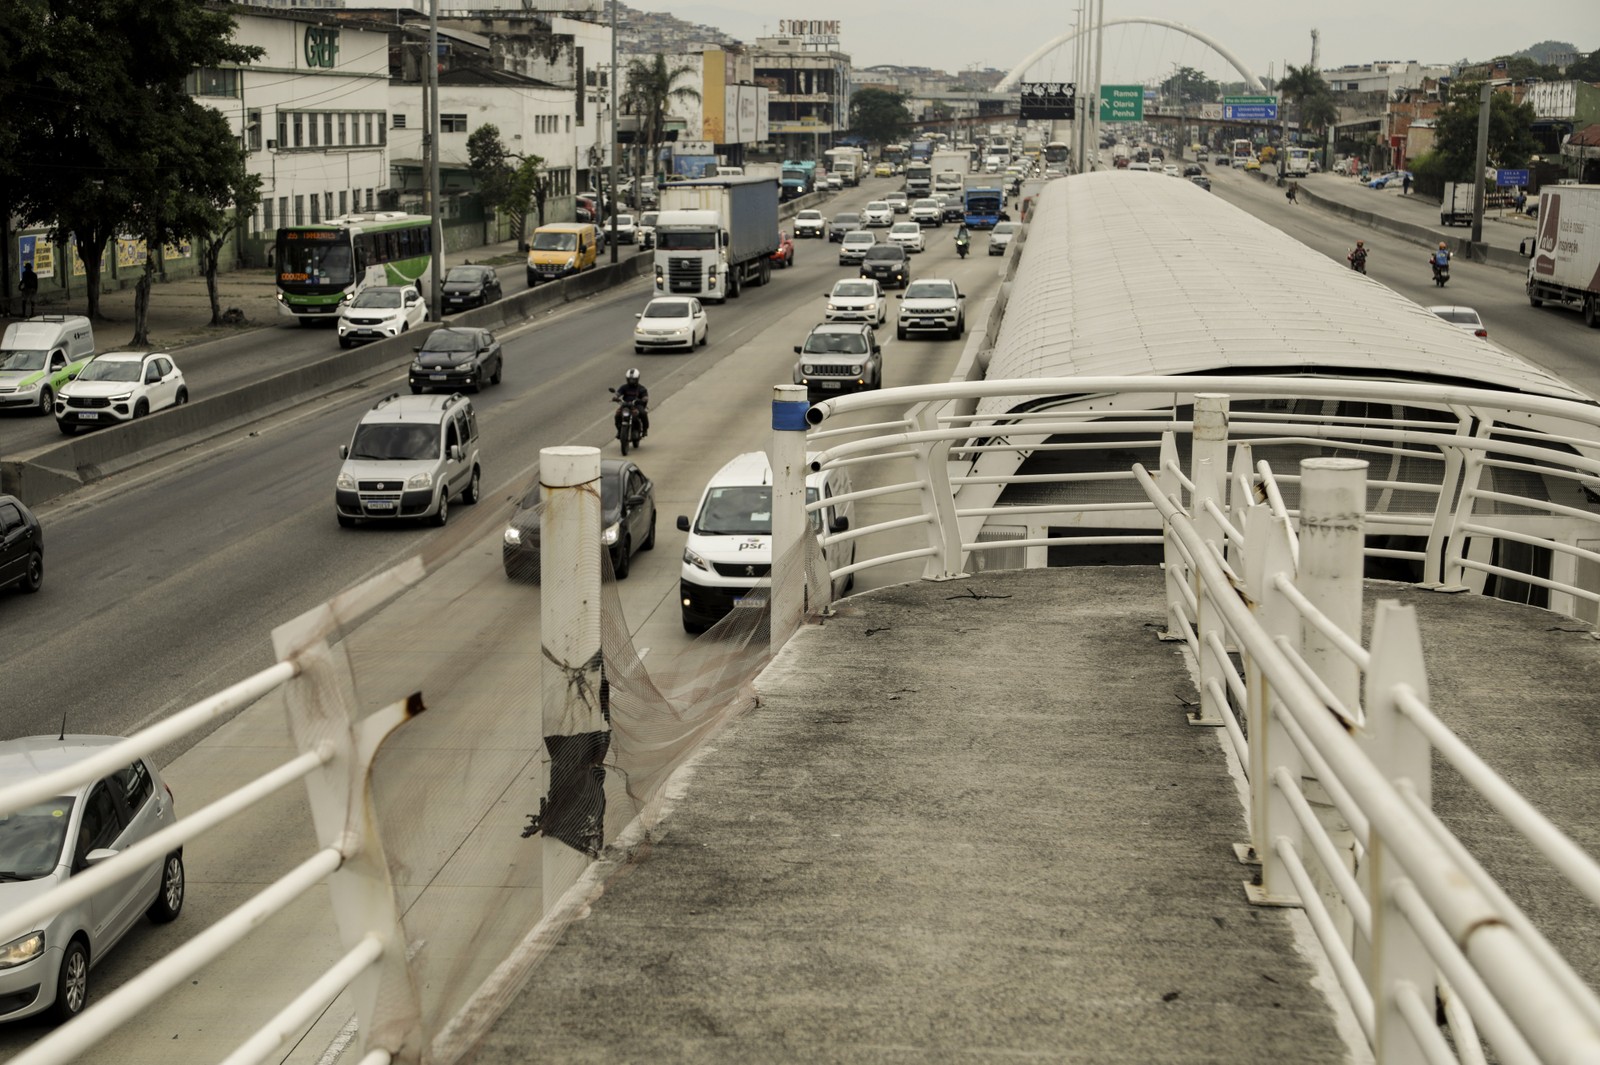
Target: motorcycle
[961, 247]
[629, 420]
[1358, 260]
[1441, 273]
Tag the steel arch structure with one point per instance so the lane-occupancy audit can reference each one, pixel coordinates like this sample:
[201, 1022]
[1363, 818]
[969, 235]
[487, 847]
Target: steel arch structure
[1010, 80]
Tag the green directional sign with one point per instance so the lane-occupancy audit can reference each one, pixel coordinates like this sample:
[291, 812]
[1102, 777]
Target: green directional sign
[1122, 103]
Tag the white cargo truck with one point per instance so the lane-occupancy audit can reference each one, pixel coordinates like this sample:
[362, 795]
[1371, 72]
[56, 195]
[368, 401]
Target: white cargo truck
[715, 235]
[949, 171]
[1455, 206]
[847, 162]
[1565, 257]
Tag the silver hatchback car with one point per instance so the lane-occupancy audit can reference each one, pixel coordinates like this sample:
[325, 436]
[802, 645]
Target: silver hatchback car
[45, 844]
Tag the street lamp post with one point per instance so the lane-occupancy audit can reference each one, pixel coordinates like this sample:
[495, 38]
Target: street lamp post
[436, 288]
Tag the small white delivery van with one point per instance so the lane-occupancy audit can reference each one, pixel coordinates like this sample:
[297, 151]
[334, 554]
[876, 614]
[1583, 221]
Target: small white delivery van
[39, 355]
[727, 561]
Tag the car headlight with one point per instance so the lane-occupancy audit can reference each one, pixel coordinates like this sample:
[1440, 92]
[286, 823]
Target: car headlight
[571, 262]
[21, 950]
[346, 482]
[611, 533]
[513, 536]
[692, 559]
[856, 368]
[807, 369]
[420, 480]
[120, 397]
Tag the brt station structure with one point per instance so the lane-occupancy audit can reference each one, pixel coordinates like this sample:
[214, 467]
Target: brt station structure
[1355, 542]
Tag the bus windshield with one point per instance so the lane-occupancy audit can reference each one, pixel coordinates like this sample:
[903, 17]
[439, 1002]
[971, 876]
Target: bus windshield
[316, 262]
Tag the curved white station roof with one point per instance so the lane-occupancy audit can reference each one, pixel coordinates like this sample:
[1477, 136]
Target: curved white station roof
[1125, 274]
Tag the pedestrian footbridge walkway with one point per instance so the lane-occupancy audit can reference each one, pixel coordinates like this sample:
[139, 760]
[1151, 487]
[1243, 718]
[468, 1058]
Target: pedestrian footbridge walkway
[968, 822]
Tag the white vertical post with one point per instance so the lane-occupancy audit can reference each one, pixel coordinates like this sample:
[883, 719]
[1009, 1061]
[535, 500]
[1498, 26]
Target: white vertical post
[577, 732]
[1401, 752]
[1268, 553]
[787, 456]
[1171, 557]
[932, 465]
[1454, 577]
[1208, 462]
[1333, 510]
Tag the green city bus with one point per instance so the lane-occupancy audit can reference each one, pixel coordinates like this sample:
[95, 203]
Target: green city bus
[322, 267]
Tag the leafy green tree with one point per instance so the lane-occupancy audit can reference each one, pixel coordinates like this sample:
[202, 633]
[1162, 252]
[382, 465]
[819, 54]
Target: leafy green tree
[1190, 86]
[90, 83]
[879, 115]
[219, 192]
[491, 164]
[1511, 141]
[649, 91]
[1587, 68]
[1311, 101]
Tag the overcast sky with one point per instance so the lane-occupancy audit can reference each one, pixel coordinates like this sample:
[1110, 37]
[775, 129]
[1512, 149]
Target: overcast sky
[959, 34]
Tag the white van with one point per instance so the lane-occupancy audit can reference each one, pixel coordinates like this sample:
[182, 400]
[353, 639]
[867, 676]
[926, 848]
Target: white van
[729, 552]
[40, 355]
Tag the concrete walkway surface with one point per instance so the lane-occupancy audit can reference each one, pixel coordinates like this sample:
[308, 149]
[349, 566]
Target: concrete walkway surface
[967, 823]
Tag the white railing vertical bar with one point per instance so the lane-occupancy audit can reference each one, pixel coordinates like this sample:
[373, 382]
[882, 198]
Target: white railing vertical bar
[1451, 577]
[932, 466]
[1328, 933]
[1327, 854]
[1175, 571]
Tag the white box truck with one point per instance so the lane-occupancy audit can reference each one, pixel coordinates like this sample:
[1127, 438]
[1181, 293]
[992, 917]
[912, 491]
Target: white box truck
[847, 162]
[949, 172]
[715, 235]
[1455, 206]
[1565, 257]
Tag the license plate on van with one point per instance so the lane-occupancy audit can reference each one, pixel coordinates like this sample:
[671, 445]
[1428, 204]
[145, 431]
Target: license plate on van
[755, 601]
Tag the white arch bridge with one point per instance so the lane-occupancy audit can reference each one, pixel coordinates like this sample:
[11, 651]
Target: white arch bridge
[1010, 80]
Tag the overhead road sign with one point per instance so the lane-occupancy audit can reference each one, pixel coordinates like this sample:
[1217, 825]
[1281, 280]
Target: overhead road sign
[1122, 103]
[1250, 108]
[1048, 99]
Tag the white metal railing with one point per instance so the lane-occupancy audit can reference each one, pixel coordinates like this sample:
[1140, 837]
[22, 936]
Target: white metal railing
[1336, 738]
[1261, 530]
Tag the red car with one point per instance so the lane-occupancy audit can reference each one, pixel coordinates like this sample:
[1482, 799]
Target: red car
[784, 256]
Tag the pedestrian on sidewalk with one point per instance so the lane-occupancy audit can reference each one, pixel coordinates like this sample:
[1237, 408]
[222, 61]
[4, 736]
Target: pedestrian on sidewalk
[1294, 190]
[28, 288]
[1522, 199]
[1405, 185]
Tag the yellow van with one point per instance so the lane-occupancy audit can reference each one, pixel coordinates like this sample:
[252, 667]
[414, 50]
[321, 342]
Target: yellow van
[558, 251]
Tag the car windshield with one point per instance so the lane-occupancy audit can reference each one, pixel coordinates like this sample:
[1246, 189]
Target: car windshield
[647, 219]
[555, 242]
[906, 227]
[1005, 229]
[847, 218]
[673, 240]
[853, 288]
[468, 275]
[836, 344]
[859, 238]
[32, 839]
[111, 370]
[22, 359]
[390, 440]
[885, 252]
[745, 510]
[450, 340]
[929, 290]
[809, 216]
[386, 298]
[667, 309]
[624, 219]
[880, 205]
[927, 203]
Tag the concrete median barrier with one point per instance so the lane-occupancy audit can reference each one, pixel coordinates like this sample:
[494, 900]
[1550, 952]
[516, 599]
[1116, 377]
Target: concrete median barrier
[39, 476]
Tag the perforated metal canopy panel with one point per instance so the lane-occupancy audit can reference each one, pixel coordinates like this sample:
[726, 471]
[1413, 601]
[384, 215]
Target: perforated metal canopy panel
[1126, 274]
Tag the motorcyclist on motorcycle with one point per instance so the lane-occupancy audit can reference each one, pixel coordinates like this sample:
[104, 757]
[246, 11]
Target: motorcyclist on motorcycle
[1358, 256]
[633, 391]
[1439, 259]
[963, 239]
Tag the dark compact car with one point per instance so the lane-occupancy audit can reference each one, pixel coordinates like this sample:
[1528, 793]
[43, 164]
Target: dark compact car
[470, 286]
[21, 546]
[887, 263]
[456, 359]
[627, 522]
[843, 223]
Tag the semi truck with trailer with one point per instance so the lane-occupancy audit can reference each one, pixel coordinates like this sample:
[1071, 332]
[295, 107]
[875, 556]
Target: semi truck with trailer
[715, 235]
[1564, 264]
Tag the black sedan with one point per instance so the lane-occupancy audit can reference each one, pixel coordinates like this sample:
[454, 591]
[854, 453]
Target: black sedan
[455, 359]
[470, 286]
[842, 223]
[21, 546]
[627, 522]
[888, 265]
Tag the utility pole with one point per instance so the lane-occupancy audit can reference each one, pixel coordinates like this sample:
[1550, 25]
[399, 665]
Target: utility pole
[1480, 160]
[436, 288]
[611, 155]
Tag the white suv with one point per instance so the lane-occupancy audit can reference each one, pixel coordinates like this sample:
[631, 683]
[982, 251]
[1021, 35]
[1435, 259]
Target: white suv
[381, 311]
[928, 212]
[810, 223]
[932, 305]
[409, 456]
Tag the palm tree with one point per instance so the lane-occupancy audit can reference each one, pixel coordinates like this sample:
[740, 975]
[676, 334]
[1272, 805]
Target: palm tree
[1313, 104]
[650, 91]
